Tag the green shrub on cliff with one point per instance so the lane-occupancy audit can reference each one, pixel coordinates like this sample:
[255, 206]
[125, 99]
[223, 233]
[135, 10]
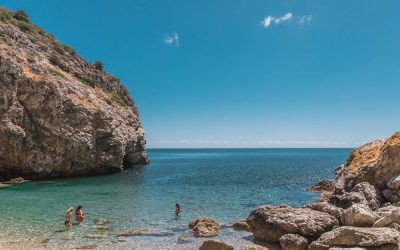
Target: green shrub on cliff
[5, 15]
[99, 65]
[58, 47]
[118, 99]
[25, 27]
[30, 59]
[21, 15]
[56, 60]
[70, 50]
[55, 72]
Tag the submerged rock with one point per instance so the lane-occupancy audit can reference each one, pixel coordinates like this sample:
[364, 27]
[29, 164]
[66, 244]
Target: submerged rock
[60, 115]
[215, 245]
[102, 221]
[204, 227]
[184, 240]
[138, 232]
[346, 236]
[86, 247]
[242, 225]
[96, 235]
[270, 223]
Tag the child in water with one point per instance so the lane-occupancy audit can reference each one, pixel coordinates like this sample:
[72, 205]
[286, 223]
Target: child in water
[177, 209]
[68, 221]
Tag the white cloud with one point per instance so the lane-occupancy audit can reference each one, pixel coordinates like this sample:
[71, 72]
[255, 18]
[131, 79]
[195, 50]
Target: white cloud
[266, 22]
[287, 17]
[305, 19]
[172, 39]
[270, 20]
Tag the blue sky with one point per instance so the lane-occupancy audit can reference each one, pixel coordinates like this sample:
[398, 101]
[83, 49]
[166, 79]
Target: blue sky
[244, 73]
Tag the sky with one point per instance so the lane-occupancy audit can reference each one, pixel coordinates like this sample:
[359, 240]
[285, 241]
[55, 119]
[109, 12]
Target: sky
[243, 73]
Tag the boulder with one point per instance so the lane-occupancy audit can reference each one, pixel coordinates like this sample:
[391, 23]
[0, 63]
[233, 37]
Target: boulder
[358, 215]
[395, 226]
[242, 225]
[323, 186]
[326, 207]
[347, 248]
[383, 222]
[271, 223]
[293, 242]
[347, 199]
[377, 163]
[391, 196]
[255, 247]
[346, 236]
[215, 245]
[393, 183]
[388, 215]
[371, 193]
[204, 227]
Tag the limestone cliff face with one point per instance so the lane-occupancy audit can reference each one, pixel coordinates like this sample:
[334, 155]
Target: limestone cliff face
[376, 163]
[60, 115]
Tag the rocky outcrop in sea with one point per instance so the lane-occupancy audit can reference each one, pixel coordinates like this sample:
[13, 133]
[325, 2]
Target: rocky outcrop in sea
[360, 209]
[60, 115]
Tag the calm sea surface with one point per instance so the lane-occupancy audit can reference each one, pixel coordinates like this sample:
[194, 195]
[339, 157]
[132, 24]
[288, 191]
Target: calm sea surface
[225, 184]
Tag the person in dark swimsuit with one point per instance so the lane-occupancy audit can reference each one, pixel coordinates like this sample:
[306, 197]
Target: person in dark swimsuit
[79, 215]
[68, 221]
[177, 209]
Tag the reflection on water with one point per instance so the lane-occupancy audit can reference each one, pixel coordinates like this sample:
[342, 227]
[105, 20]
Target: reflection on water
[225, 184]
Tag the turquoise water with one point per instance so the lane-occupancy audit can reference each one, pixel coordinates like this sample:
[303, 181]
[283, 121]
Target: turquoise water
[225, 184]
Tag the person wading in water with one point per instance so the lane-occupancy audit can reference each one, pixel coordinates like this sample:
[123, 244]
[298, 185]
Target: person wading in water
[68, 221]
[177, 209]
[79, 215]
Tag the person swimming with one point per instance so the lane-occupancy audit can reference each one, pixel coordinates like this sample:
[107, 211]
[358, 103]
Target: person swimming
[177, 209]
[79, 215]
[68, 221]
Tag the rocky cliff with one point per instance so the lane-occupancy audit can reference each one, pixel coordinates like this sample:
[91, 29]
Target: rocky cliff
[358, 210]
[60, 115]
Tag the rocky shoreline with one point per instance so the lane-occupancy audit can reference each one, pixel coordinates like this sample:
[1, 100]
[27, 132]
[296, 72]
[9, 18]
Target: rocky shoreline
[360, 209]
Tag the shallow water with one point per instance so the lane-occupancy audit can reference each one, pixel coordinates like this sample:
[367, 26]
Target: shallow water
[225, 184]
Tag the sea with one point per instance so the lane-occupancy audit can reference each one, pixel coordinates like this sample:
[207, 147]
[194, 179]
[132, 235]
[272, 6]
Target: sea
[223, 184]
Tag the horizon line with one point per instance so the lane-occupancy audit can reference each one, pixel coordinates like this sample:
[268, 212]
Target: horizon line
[251, 148]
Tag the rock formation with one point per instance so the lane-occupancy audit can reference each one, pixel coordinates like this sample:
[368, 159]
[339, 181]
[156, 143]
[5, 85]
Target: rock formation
[215, 245]
[271, 223]
[60, 115]
[376, 238]
[204, 227]
[360, 209]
